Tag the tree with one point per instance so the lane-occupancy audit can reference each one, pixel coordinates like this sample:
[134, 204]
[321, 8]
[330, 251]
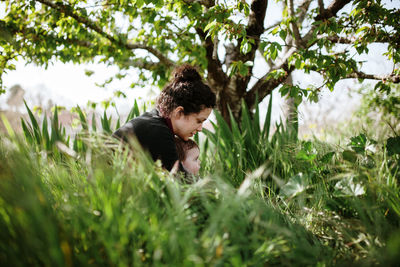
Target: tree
[223, 38]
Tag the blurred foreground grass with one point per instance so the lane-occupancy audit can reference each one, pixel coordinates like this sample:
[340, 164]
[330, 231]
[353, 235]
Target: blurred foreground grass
[263, 199]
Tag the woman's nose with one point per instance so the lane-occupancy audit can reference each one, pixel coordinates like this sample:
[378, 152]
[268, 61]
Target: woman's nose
[199, 128]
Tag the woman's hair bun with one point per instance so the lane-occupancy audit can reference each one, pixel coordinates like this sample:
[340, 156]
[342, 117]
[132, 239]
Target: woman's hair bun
[186, 73]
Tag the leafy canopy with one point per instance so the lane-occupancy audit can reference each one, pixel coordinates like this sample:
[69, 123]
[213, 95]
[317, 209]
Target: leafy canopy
[223, 38]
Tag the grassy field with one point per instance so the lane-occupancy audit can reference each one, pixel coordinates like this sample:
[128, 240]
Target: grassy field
[263, 198]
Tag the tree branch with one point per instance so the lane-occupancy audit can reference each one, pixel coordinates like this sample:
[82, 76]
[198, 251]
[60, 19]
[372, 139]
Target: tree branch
[38, 35]
[254, 29]
[297, 38]
[332, 9]
[321, 6]
[303, 10]
[69, 11]
[255, 26]
[393, 78]
[163, 59]
[140, 64]
[338, 39]
[206, 3]
[264, 87]
[351, 40]
[301, 16]
[214, 68]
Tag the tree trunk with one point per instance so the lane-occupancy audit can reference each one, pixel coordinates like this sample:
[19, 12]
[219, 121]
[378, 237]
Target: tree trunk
[290, 111]
[229, 97]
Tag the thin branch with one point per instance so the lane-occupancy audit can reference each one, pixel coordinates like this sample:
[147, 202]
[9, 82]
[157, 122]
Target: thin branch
[351, 40]
[297, 38]
[215, 73]
[215, 50]
[37, 35]
[332, 9]
[301, 16]
[272, 26]
[303, 11]
[69, 11]
[338, 39]
[321, 6]
[393, 78]
[206, 3]
[141, 64]
[264, 87]
[152, 50]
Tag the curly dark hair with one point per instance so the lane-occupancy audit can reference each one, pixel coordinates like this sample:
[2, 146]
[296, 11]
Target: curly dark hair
[183, 146]
[186, 89]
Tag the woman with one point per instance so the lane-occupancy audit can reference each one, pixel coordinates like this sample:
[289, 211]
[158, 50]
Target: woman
[181, 108]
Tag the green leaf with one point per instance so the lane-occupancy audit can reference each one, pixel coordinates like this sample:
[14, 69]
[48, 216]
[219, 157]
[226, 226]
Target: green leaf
[358, 143]
[275, 30]
[27, 129]
[267, 121]
[245, 47]
[350, 156]
[274, 52]
[296, 185]
[327, 157]
[94, 126]
[302, 155]
[297, 100]
[283, 34]
[105, 122]
[393, 145]
[211, 26]
[35, 125]
[347, 187]
[82, 118]
[89, 73]
[45, 132]
[297, 64]
[243, 69]
[284, 90]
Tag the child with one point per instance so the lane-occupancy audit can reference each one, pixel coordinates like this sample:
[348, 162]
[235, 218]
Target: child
[188, 154]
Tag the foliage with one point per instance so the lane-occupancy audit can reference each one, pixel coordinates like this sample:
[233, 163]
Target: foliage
[130, 213]
[241, 146]
[221, 37]
[280, 201]
[52, 137]
[383, 106]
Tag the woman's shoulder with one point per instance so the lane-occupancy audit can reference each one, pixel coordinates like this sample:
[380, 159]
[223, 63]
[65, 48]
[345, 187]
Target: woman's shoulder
[148, 120]
[149, 123]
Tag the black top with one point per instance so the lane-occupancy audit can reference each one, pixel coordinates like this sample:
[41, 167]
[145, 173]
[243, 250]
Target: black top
[154, 134]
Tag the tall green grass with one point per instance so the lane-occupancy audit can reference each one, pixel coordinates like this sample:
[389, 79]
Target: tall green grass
[265, 198]
[115, 210]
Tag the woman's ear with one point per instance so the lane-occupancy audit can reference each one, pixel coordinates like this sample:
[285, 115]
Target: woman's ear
[178, 112]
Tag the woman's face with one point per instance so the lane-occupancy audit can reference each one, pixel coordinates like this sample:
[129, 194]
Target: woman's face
[192, 162]
[185, 126]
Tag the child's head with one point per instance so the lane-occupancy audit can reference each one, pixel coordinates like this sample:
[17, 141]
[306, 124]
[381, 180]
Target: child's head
[188, 154]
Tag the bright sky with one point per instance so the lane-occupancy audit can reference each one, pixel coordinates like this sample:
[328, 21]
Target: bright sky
[67, 84]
